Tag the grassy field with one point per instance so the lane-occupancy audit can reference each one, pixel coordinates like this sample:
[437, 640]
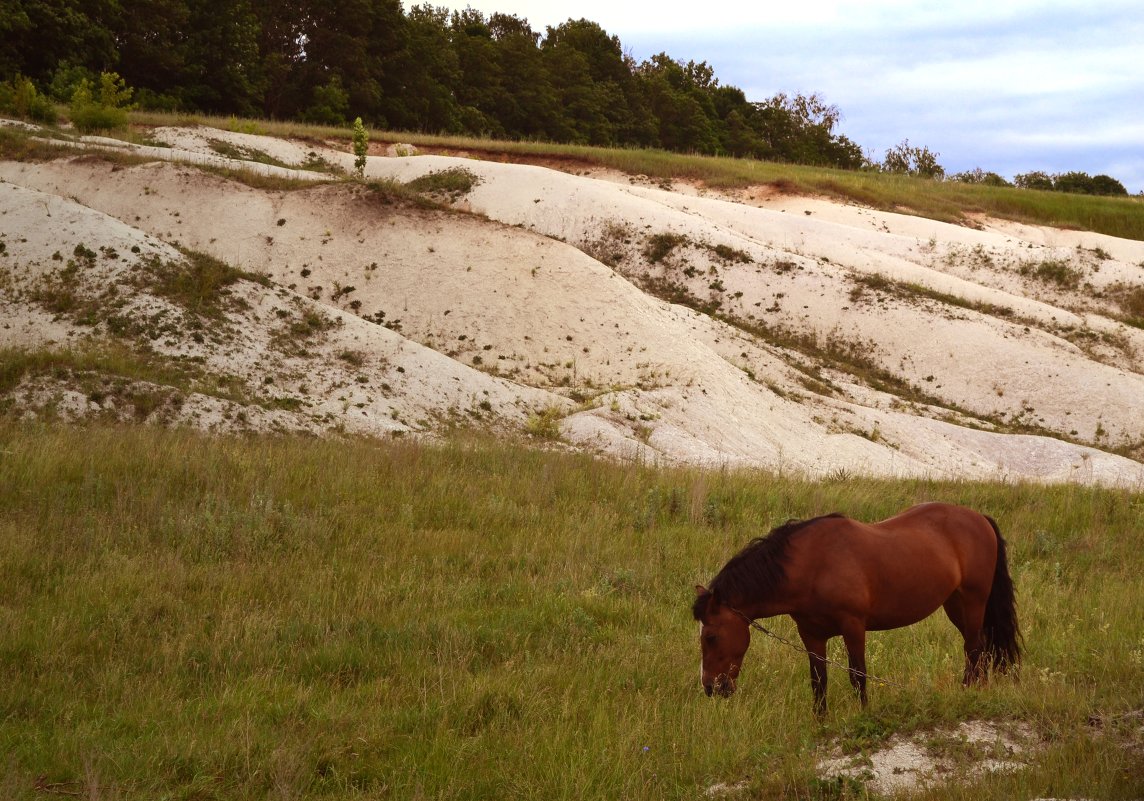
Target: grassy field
[942, 200]
[186, 617]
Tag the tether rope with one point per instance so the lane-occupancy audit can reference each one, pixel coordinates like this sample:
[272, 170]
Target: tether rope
[824, 659]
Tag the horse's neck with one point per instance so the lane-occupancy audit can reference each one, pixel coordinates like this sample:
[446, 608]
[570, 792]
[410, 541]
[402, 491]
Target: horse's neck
[774, 604]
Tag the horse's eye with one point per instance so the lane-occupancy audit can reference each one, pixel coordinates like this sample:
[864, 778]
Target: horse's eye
[710, 639]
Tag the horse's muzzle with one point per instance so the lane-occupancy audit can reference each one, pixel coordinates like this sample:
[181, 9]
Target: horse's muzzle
[723, 686]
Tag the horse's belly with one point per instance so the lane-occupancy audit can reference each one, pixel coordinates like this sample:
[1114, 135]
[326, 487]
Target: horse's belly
[905, 603]
[898, 620]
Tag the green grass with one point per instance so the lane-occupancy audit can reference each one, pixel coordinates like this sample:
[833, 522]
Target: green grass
[1054, 271]
[200, 283]
[91, 365]
[16, 145]
[197, 283]
[455, 182]
[910, 291]
[20, 145]
[190, 617]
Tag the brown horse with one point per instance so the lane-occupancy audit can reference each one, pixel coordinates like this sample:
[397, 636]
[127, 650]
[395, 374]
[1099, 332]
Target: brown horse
[836, 576]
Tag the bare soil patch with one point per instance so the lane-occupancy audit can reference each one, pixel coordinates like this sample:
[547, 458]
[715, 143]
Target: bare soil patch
[923, 759]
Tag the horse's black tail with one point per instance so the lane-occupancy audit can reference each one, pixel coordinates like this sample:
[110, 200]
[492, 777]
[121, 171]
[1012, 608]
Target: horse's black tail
[1002, 634]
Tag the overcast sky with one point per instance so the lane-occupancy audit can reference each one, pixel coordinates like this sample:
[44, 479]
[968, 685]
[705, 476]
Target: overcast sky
[1010, 86]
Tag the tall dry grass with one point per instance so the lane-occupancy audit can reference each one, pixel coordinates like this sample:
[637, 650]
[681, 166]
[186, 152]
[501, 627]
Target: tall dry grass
[185, 616]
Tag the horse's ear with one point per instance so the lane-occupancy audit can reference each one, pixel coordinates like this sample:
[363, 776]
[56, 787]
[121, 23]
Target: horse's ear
[703, 599]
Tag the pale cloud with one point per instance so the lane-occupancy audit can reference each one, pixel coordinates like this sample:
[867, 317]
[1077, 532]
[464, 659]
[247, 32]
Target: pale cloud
[667, 16]
[1008, 86]
[735, 16]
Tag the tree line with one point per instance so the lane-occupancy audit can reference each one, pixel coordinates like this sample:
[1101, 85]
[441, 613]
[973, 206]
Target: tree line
[426, 69]
[1078, 183]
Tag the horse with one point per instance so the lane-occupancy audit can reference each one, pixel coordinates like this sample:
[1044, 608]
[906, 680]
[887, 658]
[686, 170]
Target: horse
[837, 576]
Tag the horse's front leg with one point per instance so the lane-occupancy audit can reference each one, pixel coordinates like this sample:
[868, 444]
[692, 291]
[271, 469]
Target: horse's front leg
[815, 645]
[854, 635]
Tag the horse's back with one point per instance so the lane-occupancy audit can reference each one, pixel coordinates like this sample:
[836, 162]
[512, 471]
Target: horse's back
[943, 516]
[950, 528]
[903, 568]
[935, 530]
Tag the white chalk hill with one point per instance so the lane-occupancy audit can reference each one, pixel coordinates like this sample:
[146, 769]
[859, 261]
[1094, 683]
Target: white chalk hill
[672, 325]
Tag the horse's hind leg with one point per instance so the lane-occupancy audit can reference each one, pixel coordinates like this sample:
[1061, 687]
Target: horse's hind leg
[969, 617]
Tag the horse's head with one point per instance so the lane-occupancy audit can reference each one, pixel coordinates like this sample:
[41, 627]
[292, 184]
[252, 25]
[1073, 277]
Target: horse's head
[724, 637]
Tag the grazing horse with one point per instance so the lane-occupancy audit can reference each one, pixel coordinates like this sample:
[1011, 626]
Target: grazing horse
[836, 576]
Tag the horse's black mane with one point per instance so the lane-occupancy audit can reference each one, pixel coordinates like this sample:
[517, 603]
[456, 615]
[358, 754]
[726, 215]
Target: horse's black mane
[755, 571]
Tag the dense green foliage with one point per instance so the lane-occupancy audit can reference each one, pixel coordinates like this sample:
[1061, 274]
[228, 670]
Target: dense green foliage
[101, 107]
[979, 176]
[20, 98]
[421, 70]
[1080, 183]
[908, 159]
[193, 617]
